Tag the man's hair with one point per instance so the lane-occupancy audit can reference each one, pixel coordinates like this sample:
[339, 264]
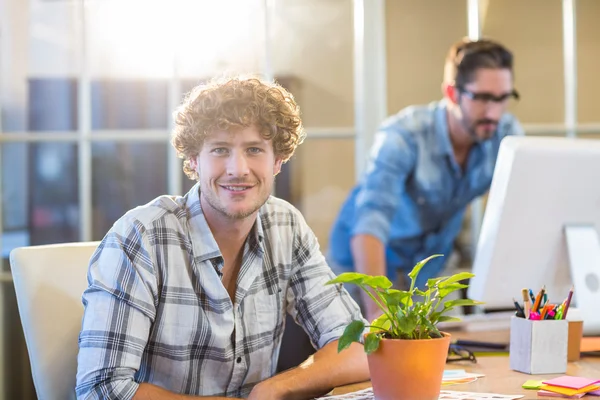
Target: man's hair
[233, 104]
[466, 56]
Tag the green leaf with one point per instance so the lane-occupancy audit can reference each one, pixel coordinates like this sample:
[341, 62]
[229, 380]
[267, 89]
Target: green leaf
[352, 333]
[372, 342]
[447, 318]
[433, 281]
[433, 332]
[455, 278]
[417, 268]
[434, 317]
[395, 297]
[460, 302]
[348, 277]
[446, 290]
[383, 322]
[378, 282]
[408, 323]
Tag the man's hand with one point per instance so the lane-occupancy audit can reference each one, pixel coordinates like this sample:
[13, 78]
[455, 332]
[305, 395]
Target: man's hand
[323, 371]
[266, 390]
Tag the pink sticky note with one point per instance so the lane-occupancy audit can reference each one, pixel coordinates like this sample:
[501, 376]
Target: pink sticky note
[552, 394]
[573, 382]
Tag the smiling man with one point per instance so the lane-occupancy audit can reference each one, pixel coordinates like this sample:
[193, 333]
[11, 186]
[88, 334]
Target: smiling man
[426, 165]
[188, 295]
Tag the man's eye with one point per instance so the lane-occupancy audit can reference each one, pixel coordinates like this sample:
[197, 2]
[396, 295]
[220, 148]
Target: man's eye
[254, 150]
[219, 151]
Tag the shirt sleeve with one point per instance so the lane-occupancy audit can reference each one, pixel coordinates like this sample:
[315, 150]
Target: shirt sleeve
[322, 310]
[391, 160]
[119, 309]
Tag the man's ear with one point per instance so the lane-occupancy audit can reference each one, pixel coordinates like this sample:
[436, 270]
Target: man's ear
[450, 92]
[277, 166]
[194, 162]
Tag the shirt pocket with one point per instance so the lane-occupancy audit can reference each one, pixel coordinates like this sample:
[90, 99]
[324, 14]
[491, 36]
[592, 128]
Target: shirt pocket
[265, 310]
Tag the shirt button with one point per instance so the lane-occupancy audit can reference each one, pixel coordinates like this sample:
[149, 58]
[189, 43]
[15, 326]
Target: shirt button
[239, 360]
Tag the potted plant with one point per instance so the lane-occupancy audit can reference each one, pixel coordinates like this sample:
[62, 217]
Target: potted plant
[405, 350]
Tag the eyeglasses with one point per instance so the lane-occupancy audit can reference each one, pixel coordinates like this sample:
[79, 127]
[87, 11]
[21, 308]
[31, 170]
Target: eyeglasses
[458, 353]
[485, 97]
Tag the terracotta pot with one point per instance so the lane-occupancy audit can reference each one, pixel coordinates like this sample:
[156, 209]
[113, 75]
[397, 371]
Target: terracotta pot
[408, 369]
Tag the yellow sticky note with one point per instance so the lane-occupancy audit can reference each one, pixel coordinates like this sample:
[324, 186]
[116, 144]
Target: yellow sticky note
[532, 385]
[569, 391]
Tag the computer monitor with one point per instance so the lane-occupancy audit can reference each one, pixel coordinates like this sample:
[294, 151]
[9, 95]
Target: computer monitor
[540, 226]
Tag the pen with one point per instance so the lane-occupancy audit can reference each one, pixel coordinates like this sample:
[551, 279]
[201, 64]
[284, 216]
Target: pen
[559, 311]
[532, 296]
[520, 312]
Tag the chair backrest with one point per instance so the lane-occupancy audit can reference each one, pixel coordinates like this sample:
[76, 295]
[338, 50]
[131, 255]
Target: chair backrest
[49, 281]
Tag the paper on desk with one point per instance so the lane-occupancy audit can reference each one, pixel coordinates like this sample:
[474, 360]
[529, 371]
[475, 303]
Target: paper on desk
[367, 394]
[458, 376]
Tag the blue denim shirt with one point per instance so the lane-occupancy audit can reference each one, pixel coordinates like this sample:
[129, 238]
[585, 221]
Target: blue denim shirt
[413, 194]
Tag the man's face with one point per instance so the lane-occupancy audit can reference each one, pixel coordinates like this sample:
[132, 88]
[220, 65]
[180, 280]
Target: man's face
[483, 101]
[236, 172]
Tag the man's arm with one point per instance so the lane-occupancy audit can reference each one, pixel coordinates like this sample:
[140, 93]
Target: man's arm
[147, 391]
[368, 253]
[391, 161]
[323, 371]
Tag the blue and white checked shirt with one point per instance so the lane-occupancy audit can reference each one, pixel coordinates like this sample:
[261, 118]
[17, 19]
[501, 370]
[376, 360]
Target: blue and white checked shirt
[156, 310]
[413, 194]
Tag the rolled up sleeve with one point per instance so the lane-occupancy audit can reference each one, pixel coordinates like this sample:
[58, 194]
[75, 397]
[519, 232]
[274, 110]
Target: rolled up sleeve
[119, 309]
[322, 310]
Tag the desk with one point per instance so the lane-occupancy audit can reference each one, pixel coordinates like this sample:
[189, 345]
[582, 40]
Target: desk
[499, 378]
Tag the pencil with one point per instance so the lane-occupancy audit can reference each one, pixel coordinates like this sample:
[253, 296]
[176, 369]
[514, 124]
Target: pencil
[568, 303]
[526, 302]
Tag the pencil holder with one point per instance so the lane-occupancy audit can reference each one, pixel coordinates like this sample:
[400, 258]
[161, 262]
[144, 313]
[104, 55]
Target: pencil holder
[538, 347]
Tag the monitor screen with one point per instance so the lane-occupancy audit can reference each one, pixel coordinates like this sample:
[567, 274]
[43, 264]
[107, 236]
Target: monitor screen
[542, 185]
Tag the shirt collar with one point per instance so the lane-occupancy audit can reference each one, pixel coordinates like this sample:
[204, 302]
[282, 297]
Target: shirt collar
[203, 242]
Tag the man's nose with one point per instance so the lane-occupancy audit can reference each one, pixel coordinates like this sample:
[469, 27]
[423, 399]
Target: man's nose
[494, 110]
[237, 165]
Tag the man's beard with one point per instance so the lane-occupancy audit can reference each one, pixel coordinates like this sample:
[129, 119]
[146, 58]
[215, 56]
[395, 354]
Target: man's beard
[471, 128]
[212, 199]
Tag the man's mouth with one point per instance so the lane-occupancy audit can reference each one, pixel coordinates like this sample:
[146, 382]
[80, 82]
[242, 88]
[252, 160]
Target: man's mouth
[236, 188]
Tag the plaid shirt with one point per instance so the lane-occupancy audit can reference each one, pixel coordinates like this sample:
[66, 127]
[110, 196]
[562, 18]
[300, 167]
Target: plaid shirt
[156, 310]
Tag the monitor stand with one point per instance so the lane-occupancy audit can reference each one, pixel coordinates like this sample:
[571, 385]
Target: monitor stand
[583, 248]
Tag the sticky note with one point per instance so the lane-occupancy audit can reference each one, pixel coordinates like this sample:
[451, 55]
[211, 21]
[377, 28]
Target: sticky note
[532, 384]
[573, 382]
[552, 394]
[568, 391]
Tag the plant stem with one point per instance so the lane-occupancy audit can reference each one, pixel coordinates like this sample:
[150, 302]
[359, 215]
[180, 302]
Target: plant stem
[378, 304]
[378, 327]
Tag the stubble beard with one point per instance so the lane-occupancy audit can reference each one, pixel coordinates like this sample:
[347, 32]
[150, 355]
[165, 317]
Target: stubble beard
[213, 202]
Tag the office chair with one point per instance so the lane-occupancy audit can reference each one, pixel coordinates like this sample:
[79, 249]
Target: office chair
[49, 281]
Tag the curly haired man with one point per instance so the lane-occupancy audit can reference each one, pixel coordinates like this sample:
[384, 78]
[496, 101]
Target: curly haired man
[188, 295]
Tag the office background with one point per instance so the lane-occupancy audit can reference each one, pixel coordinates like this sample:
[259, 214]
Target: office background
[87, 89]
